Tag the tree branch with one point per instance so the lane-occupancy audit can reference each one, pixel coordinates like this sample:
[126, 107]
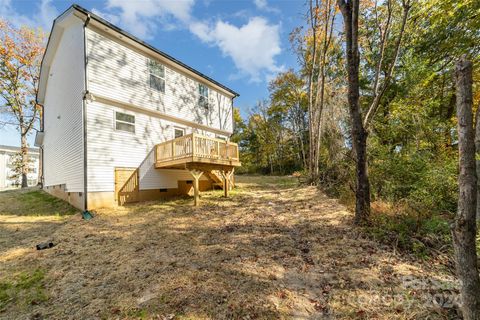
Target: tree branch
[377, 97]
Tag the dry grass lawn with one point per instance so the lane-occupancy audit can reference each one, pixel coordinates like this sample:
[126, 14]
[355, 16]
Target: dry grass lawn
[273, 250]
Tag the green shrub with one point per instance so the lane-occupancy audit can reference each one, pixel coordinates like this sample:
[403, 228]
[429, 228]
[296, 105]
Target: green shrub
[412, 232]
[437, 188]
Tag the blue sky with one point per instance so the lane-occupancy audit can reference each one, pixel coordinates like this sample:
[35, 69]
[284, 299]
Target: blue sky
[240, 43]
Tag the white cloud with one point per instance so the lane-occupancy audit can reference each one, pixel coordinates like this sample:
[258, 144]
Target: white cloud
[263, 5]
[107, 16]
[45, 14]
[142, 17]
[252, 47]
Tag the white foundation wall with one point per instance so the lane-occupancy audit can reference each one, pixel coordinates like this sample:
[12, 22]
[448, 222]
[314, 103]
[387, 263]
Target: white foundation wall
[3, 170]
[63, 140]
[108, 148]
[119, 72]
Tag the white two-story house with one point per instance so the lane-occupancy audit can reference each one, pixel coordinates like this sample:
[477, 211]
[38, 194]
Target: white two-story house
[125, 122]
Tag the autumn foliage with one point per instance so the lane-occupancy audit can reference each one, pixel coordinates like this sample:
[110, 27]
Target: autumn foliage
[21, 51]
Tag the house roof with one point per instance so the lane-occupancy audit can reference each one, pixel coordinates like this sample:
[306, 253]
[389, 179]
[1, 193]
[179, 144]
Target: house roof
[131, 37]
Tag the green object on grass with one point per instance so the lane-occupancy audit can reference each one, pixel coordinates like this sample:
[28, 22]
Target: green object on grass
[87, 215]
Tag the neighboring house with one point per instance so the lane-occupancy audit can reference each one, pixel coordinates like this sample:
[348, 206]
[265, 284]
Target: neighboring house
[8, 155]
[125, 122]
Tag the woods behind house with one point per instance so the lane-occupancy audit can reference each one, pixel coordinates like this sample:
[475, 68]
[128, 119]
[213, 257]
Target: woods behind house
[406, 100]
[374, 114]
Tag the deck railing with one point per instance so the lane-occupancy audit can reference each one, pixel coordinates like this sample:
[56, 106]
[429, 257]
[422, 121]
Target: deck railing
[194, 145]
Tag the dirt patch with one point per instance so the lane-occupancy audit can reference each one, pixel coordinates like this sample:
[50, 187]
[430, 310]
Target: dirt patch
[273, 250]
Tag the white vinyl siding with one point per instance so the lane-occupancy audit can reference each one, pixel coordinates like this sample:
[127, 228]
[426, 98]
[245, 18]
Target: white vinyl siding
[122, 73]
[109, 148]
[63, 142]
[151, 178]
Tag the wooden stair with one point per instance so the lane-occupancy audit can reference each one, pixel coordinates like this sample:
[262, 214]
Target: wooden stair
[216, 178]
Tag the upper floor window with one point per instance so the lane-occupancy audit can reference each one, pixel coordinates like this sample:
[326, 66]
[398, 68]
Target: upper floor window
[202, 96]
[157, 75]
[124, 122]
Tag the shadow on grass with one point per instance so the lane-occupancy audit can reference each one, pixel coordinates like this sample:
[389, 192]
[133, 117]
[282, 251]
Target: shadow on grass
[265, 182]
[207, 262]
[33, 202]
[257, 255]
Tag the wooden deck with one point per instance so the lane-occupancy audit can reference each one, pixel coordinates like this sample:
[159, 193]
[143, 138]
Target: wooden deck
[200, 155]
[194, 151]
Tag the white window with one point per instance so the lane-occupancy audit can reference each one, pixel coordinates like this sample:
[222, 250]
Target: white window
[157, 75]
[179, 132]
[221, 137]
[202, 96]
[124, 122]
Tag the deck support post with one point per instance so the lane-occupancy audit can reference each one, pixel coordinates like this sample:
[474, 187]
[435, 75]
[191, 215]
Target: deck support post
[196, 174]
[232, 179]
[226, 178]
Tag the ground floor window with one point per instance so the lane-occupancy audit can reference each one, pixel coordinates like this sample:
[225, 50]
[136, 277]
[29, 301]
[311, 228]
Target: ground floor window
[221, 137]
[124, 122]
[179, 132]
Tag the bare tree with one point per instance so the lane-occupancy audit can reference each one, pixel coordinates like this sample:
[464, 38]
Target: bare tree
[464, 228]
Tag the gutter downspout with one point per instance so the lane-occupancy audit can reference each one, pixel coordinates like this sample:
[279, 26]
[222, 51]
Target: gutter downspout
[84, 115]
[41, 179]
[41, 158]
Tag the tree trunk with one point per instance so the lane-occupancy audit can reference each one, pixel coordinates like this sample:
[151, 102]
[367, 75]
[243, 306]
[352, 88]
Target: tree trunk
[362, 191]
[320, 100]
[464, 227]
[477, 150]
[350, 11]
[303, 159]
[303, 125]
[24, 156]
[311, 102]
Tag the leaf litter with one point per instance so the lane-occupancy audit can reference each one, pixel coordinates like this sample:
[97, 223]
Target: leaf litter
[270, 251]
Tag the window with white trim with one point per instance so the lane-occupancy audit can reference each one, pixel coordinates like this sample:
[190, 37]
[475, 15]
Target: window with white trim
[124, 122]
[202, 96]
[157, 75]
[221, 137]
[178, 132]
